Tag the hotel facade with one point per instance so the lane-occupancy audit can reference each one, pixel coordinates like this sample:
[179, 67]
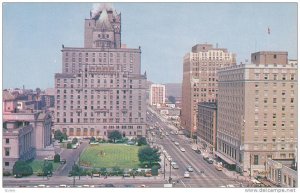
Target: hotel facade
[101, 87]
[257, 112]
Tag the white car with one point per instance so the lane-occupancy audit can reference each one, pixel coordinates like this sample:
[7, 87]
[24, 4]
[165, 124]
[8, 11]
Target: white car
[169, 158]
[186, 174]
[189, 169]
[182, 149]
[176, 143]
[230, 186]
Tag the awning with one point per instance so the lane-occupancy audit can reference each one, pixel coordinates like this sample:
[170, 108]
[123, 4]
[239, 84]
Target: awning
[227, 160]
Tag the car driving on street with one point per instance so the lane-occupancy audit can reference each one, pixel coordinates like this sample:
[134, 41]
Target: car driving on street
[186, 174]
[189, 168]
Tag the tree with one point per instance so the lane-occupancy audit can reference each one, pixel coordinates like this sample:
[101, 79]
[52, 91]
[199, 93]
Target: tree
[76, 170]
[172, 99]
[93, 139]
[58, 135]
[47, 168]
[56, 158]
[114, 135]
[148, 155]
[21, 168]
[75, 140]
[142, 141]
[69, 145]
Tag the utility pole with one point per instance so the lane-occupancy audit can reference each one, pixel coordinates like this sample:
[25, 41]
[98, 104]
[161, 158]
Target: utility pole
[164, 167]
[170, 178]
[250, 165]
[73, 173]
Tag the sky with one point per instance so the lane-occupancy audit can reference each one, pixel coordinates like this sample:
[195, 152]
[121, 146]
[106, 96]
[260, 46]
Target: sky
[33, 34]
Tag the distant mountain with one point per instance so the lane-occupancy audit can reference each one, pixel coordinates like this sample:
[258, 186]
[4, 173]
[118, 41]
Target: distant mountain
[173, 89]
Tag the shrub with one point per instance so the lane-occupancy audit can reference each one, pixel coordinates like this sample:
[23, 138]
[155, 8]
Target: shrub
[69, 146]
[92, 139]
[142, 141]
[6, 173]
[154, 170]
[22, 168]
[57, 158]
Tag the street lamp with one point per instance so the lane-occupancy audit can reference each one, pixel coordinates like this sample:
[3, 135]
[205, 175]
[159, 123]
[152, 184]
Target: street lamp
[170, 178]
[73, 173]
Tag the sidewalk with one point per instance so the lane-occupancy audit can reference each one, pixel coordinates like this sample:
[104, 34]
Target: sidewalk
[83, 178]
[235, 175]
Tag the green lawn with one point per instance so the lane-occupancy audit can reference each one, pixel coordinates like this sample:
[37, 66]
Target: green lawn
[110, 155]
[37, 165]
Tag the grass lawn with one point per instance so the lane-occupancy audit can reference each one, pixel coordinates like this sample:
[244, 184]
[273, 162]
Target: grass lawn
[37, 165]
[110, 155]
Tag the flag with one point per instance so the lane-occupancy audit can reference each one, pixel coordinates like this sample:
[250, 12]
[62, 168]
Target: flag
[269, 30]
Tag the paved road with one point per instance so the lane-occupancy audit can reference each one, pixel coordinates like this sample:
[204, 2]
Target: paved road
[96, 182]
[71, 155]
[210, 178]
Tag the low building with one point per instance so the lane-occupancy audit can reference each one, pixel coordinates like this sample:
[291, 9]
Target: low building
[207, 125]
[280, 174]
[41, 123]
[17, 143]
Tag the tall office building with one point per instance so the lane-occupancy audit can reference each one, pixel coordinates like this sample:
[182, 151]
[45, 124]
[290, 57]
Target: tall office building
[257, 112]
[199, 82]
[101, 87]
[157, 94]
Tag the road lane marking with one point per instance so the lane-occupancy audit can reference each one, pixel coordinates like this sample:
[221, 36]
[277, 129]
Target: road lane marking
[182, 183]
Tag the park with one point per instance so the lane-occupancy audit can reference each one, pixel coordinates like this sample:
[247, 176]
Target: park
[110, 155]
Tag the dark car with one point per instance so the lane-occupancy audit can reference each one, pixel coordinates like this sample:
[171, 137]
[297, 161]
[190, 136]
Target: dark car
[198, 151]
[109, 185]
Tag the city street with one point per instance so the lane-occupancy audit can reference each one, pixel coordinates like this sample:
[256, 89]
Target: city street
[71, 156]
[210, 176]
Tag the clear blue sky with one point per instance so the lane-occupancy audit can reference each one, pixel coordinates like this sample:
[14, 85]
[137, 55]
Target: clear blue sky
[34, 32]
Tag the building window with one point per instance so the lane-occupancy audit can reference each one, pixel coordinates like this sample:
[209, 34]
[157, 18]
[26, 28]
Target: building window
[7, 141]
[6, 163]
[255, 160]
[7, 151]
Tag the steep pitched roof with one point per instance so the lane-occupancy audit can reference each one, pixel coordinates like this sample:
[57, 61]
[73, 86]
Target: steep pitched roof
[103, 22]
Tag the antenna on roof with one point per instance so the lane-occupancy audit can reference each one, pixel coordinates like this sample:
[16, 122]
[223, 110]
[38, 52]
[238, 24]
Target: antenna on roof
[217, 45]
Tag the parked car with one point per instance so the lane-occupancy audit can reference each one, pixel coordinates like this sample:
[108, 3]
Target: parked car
[174, 165]
[130, 143]
[186, 174]
[176, 143]
[63, 161]
[126, 175]
[173, 140]
[189, 168]
[198, 151]
[182, 149]
[210, 161]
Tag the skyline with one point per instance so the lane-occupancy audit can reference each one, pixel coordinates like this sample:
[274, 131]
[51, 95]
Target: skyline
[164, 39]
